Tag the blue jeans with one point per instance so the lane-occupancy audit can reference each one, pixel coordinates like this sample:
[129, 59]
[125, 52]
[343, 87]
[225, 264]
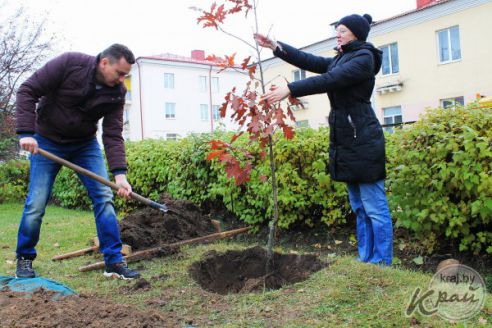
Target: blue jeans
[43, 172]
[374, 225]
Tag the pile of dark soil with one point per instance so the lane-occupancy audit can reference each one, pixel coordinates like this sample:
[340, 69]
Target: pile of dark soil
[151, 228]
[21, 310]
[244, 271]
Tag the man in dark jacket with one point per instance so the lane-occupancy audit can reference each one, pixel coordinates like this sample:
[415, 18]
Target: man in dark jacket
[73, 92]
[357, 154]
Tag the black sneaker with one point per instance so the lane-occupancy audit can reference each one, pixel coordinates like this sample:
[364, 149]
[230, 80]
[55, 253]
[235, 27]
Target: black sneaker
[120, 271]
[24, 269]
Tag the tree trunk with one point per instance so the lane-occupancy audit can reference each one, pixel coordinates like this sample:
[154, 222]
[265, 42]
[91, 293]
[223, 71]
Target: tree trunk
[273, 223]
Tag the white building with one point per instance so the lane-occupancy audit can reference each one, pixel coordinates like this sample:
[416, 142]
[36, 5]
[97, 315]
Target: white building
[172, 96]
[434, 55]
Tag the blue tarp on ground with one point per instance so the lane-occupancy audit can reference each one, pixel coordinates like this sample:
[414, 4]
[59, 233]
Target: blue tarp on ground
[29, 285]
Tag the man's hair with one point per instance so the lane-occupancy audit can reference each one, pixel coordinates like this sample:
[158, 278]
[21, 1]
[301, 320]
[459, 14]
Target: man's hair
[116, 51]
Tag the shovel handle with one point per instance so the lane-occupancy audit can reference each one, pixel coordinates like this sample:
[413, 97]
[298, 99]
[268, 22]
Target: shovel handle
[100, 179]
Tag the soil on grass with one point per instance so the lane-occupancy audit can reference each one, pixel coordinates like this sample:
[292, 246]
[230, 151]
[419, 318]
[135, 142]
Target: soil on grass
[39, 310]
[245, 271]
[148, 227]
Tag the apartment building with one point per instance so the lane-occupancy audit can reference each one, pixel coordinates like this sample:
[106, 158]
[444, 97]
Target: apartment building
[170, 96]
[435, 55]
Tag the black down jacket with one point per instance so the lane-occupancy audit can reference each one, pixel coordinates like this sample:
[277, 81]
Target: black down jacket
[357, 153]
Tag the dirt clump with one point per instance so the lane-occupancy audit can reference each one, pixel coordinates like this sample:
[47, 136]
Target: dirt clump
[148, 227]
[139, 285]
[20, 310]
[244, 271]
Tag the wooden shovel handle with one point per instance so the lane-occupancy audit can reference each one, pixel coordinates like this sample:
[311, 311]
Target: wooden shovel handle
[100, 179]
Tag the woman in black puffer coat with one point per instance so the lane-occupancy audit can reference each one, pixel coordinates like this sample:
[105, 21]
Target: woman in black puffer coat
[357, 154]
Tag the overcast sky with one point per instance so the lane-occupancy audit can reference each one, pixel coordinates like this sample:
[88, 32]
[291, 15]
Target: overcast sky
[152, 27]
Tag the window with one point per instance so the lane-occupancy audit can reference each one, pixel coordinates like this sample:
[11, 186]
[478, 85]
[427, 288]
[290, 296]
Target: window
[204, 112]
[169, 80]
[451, 103]
[390, 59]
[449, 44]
[203, 83]
[392, 115]
[216, 112]
[302, 124]
[171, 136]
[298, 74]
[170, 110]
[215, 84]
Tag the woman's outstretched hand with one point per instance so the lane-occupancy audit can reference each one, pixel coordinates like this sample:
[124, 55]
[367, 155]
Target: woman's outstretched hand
[265, 42]
[276, 93]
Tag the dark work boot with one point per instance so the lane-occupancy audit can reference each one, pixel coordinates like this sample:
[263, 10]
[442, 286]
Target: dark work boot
[24, 268]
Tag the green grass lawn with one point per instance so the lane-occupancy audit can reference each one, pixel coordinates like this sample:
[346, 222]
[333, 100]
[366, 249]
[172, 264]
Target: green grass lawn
[346, 294]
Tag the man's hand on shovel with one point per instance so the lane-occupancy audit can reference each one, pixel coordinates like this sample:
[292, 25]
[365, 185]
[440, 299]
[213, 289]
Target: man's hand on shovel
[125, 188]
[29, 144]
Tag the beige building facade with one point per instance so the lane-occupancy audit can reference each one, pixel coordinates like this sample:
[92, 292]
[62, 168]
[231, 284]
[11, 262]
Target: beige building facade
[439, 54]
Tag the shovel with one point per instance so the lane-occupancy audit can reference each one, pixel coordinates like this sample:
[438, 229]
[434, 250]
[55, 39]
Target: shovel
[92, 175]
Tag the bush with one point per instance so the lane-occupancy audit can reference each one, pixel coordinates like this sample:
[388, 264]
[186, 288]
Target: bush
[306, 194]
[441, 178]
[14, 177]
[68, 191]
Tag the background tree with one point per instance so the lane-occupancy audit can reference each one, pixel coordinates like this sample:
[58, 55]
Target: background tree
[24, 46]
[255, 117]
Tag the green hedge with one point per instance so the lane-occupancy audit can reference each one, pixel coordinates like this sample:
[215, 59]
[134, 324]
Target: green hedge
[306, 193]
[440, 177]
[14, 176]
[69, 192]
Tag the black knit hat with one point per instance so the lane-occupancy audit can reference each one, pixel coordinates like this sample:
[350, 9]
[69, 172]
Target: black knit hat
[359, 25]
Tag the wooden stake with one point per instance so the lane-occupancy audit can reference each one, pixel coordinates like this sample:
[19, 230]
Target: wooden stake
[125, 250]
[148, 253]
[75, 253]
[216, 224]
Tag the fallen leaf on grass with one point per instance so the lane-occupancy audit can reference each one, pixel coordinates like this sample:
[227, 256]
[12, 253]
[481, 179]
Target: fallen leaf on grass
[338, 242]
[418, 260]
